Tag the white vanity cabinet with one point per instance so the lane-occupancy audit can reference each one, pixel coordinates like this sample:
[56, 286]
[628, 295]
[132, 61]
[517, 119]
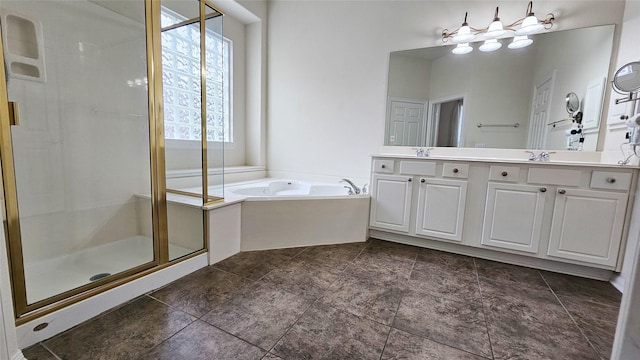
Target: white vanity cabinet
[587, 225]
[441, 206]
[562, 217]
[392, 205]
[513, 216]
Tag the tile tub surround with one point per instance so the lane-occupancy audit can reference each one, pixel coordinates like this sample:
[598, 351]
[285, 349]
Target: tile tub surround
[373, 300]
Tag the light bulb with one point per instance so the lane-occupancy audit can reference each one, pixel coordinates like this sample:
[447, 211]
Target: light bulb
[462, 49]
[490, 45]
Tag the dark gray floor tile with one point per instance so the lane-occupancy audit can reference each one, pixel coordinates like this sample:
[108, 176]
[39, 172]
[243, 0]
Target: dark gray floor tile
[300, 277]
[260, 315]
[371, 295]
[380, 263]
[509, 274]
[392, 250]
[254, 264]
[446, 262]
[336, 256]
[125, 333]
[290, 252]
[270, 356]
[453, 285]
[524, 303]
[512, 338]
[201, 341]
[325, 332]
[597, 321]
[199, 292]
[458, 324]
[402, 345]
[37, 352]
[587, 289]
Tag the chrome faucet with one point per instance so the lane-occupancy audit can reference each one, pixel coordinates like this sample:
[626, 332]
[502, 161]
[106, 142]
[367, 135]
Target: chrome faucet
[422, 152]
[353, 189]
[544, 156]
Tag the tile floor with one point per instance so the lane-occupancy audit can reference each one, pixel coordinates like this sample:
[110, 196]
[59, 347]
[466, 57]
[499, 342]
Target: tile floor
[373, 300]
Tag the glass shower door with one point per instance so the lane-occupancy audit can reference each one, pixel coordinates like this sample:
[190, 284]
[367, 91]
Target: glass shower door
[77, 71]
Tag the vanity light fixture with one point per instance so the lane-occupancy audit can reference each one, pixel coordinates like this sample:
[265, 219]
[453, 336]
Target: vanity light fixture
[520, 28]
[490, 45]
[461, 49]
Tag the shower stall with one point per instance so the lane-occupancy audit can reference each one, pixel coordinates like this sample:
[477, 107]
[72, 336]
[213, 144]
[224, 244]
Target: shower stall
[93, 95]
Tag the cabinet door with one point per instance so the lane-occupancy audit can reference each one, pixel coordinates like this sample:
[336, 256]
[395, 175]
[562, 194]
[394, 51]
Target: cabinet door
[513, 216]
[587, 225]
[441, 205]
[391, 202]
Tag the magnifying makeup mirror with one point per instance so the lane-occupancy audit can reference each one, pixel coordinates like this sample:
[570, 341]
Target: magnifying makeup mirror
[573, 103]
[627, 78]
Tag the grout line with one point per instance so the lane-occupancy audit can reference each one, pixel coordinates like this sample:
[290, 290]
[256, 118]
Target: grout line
[484, 311]
[386, 341]
[570, 316]
[50, 351]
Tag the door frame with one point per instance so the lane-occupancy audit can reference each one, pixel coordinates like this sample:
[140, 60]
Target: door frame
[431, 130]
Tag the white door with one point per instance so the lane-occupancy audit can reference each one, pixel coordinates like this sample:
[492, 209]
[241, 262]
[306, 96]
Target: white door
[540, 108]
[391, 202]
[406, 123]
[587, 225]
[513, 216]
[441, 205]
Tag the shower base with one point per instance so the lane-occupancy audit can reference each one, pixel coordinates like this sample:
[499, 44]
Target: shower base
[54, 276]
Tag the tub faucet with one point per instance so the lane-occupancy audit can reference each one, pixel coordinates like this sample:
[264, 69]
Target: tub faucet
[353, 186]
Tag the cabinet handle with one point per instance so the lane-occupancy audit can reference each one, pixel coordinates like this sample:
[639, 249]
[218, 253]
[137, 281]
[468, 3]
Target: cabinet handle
[423, 181]
[383, 166]
[455, 170]
[611, 180]
[409, 180]
[504, 173]
[561, 191]
[543, 189]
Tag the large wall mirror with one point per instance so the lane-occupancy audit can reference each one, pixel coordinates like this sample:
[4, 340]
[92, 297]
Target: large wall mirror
[510, 98]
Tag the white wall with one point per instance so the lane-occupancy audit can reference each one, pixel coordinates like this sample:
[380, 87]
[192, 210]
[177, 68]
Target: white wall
[409, 77]
[328, 64]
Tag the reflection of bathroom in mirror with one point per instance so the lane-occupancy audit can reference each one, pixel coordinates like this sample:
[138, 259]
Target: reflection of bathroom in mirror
[511, 98]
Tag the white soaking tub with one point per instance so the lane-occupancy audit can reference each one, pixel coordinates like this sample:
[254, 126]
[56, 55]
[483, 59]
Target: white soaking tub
[279, 213]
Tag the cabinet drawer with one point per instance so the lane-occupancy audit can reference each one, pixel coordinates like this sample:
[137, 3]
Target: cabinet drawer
[610, 180]
[451, 170]
[383, 166]
[554, 176]
[424, 168]
[504, 173]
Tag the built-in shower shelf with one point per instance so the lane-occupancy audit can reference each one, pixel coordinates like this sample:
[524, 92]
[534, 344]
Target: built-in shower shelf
[23, 45]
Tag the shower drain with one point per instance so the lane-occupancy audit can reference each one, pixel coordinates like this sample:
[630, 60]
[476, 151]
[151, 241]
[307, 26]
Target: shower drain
[99, 276]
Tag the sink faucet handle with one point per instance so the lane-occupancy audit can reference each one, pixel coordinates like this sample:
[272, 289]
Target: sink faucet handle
[365, 189]
[532, 156]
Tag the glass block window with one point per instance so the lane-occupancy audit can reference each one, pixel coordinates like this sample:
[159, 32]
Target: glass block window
[181, 81]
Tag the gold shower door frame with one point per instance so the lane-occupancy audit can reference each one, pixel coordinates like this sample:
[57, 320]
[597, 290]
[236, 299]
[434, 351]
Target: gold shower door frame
[25, 312]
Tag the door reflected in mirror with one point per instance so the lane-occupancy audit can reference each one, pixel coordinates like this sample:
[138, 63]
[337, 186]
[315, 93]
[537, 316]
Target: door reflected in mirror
[525, 86]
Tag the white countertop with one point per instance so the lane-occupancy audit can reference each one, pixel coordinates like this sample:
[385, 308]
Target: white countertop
[510, 156]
